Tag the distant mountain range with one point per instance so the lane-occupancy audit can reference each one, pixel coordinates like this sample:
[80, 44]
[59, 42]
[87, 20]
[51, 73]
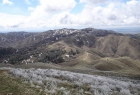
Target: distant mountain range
[53, 46]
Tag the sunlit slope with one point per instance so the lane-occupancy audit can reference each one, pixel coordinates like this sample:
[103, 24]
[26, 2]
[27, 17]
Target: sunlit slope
[121, 65]
[113, 45]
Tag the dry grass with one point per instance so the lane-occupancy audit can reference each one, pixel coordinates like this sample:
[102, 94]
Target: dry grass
[13, 86]
[122, 65]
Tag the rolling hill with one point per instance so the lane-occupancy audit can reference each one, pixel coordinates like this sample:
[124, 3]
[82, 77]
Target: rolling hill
[86, 49]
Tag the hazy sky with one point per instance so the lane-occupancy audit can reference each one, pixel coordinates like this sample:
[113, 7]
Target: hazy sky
[52, 14]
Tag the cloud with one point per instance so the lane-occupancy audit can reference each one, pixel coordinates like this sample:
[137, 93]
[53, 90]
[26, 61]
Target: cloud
[48, 7]
[117, 13]
[7, 2]
[7, 20]
[57, 5]
[27, 1]
[112, 17]
[31, 8]
[54, 13]
[60, 19]
[130, 21]
[93, 2]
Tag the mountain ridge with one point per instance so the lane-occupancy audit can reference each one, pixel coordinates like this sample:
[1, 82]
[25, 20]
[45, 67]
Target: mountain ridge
[105, 42]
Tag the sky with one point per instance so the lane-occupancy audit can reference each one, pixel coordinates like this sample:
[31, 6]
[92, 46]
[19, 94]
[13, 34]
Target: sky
[37, 15]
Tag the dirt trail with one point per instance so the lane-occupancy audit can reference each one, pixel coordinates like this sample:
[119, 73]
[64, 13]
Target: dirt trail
[86, 56]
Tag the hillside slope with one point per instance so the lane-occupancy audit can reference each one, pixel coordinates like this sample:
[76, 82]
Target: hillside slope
[80, 45]
[12, 38]
[113, 45]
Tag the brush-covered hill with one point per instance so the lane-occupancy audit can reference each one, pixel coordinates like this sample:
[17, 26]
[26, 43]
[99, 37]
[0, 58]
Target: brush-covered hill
[12, 38]
[52, 36]
[72, 47]
[106, 42]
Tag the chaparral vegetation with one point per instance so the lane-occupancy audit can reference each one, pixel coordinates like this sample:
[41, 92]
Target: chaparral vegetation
[58, 82]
